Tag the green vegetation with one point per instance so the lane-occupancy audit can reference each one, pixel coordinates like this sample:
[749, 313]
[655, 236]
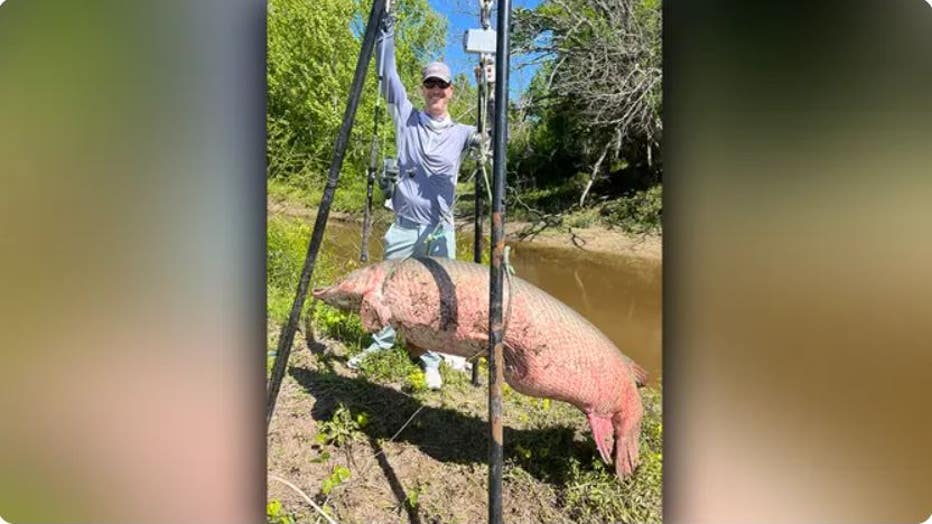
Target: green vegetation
[341, 326]
[590, 123]
[312, 51]
[580, 140]
[637, 213]
[275, 515]
[287, 246]
[342, 428]
[339, 475]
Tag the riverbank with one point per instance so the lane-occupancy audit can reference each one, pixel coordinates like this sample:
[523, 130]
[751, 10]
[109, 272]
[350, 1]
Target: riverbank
[596, 238]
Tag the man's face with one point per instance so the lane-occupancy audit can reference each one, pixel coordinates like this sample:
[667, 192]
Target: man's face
[437, 95]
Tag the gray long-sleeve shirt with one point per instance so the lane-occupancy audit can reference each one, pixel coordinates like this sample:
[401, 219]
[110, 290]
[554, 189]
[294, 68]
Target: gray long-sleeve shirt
[429, 158]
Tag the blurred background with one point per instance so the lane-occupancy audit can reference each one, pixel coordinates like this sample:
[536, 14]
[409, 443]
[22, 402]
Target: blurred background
[132, 238]
[797, 281]
[797, 349]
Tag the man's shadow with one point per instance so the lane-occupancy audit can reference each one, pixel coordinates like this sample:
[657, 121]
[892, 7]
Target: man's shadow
[444, 434]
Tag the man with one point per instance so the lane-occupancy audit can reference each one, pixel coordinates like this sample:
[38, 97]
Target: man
[430, 150]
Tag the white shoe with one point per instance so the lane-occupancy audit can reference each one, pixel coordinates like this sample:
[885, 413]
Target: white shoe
[354, 362]
[433, 378]
[457, 363]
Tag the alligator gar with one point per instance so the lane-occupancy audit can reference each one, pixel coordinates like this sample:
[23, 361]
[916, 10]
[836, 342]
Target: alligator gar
[550, 351]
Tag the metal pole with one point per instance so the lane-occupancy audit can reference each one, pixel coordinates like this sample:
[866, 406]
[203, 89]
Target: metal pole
[477, 186]
[477, 183]
[373, 164]
[483, 111]
[323, 212]
[496, 271]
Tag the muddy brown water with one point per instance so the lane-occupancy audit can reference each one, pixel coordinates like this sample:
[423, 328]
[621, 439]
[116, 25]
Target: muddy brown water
[620, 295]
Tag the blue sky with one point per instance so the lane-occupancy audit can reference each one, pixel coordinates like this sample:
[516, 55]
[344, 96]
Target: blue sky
[463, 15]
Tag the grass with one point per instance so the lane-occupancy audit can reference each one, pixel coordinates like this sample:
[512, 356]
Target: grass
[639, 212]
[374, 445]
[287, 245]
[350, 196]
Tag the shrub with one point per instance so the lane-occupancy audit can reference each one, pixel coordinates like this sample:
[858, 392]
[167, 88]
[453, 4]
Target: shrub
[638, 213]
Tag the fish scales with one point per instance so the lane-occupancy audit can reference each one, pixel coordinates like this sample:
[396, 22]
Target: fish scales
[550, 350]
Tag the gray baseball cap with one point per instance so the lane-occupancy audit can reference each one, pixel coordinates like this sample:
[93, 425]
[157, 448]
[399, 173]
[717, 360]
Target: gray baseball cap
[437, 70]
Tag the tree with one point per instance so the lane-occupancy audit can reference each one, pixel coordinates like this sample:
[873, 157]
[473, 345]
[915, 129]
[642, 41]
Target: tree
[312, 51]
[599, 91]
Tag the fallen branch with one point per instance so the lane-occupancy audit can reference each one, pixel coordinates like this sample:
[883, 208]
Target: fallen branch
[306, 498]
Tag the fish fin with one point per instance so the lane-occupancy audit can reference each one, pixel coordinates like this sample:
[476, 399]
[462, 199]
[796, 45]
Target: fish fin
[626, 456]
[627, 436]
[602, 433]
[373, 313]
[639, 373]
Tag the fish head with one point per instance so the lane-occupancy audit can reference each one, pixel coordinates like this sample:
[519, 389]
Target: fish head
[348, 293]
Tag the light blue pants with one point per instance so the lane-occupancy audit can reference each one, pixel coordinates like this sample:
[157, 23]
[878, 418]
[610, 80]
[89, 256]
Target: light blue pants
[406, 239]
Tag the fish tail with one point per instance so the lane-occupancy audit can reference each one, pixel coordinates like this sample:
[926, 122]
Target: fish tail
[602, 433]
[627, 426]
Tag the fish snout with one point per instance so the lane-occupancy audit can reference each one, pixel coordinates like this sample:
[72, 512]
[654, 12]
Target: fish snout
[328, 295]
[336, 297]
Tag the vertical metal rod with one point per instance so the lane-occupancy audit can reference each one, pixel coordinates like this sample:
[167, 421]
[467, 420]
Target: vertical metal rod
[367, 214]
[373, 167]
[477, 182]
[323, 212]
[477, 187]
[496, 271]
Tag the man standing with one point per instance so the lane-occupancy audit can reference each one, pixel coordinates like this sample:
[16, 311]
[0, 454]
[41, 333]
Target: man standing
[430, 150]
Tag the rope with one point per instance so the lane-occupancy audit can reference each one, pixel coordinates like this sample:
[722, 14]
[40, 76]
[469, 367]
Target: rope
[509, 276]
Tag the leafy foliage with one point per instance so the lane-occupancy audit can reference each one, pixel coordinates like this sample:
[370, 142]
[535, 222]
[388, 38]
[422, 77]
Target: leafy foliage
[286, 248]
[303, 106]
[638, 213]
[341, 429]
[339, 475]
[312, 53]
[339, 325]
[595, 104]
[275, 515]
[589, 124]
[392, 365]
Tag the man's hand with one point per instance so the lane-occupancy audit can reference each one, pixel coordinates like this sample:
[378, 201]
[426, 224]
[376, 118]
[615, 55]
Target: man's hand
[389, 177]
[387, 24]
[387, 183]
[478, 144]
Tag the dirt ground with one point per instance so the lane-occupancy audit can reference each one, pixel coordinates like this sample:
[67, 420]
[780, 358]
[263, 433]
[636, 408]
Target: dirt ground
[419, 457]
[594, 238]
[433, 470]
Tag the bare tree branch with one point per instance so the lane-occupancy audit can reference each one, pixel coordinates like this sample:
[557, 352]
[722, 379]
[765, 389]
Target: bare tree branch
[605, 72]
